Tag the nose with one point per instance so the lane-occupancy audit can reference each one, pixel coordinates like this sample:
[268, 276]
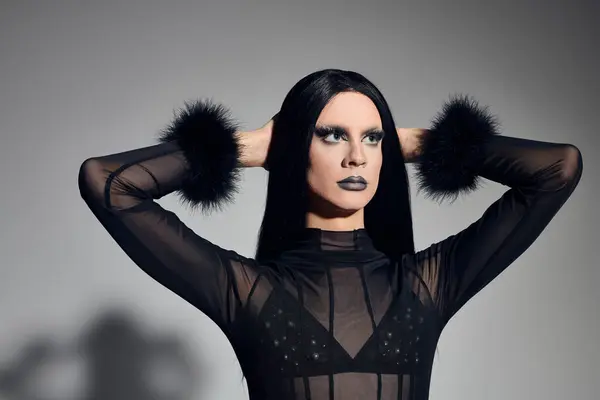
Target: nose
[356, 156]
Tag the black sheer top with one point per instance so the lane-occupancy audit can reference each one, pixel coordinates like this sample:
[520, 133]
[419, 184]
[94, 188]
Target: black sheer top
[333, 318]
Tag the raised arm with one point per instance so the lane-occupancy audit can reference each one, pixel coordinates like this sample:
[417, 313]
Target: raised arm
[541, 177]
[198, 156]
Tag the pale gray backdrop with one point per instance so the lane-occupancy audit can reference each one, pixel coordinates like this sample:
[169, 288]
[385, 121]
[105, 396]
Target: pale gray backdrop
[80, 79]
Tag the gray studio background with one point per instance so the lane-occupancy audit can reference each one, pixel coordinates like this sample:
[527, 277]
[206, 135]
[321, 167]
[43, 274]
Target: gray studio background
[80, 79]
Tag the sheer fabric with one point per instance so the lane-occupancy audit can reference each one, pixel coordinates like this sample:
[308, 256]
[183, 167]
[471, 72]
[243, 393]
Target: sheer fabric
[332, 318]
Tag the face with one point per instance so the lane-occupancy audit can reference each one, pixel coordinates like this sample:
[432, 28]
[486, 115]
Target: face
[345, 154]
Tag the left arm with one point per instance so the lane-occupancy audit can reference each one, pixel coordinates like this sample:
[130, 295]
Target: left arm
[541, 177]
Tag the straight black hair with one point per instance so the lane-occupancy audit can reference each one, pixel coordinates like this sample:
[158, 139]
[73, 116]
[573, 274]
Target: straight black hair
[388, 218]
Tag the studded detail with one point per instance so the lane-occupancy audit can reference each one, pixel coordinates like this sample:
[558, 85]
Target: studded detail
[296, 341]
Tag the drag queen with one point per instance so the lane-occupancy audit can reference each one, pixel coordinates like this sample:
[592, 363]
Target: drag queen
[336, 303]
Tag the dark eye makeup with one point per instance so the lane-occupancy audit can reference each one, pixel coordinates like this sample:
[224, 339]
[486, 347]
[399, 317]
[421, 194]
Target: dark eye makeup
[374, 134]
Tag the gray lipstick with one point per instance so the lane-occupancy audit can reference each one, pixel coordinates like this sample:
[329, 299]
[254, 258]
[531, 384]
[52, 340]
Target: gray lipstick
[353, 183]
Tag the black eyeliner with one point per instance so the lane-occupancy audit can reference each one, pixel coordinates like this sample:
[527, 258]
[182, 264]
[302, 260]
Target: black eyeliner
[329, 129]
[379, 134]
[323, 131]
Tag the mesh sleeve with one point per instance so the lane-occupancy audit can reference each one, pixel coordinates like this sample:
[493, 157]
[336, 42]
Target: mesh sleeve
[120, 189]
[541, 176]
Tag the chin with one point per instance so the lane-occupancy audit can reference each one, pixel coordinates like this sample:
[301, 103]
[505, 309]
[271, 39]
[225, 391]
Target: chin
[350, 202]
[339, 203]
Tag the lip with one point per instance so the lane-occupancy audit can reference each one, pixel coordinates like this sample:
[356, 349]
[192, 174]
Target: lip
[354, 179]
[353, 183]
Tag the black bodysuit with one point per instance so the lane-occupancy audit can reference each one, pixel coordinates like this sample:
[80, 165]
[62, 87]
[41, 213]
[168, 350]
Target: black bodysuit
[333, 318]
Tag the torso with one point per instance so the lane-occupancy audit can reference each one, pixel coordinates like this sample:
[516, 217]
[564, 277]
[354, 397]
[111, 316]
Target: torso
[284, 341]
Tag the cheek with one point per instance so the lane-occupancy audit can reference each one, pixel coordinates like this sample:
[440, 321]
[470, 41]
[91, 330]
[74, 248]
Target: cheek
[316, 181]
[323, 169]
[373, 171]
[375, 163]
[320, 157]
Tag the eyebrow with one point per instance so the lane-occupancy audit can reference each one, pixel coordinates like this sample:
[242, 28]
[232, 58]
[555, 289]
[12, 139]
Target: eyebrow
[341, 130]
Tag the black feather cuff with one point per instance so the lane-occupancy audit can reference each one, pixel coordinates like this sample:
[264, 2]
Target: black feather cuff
[206, 134]
[451, 152]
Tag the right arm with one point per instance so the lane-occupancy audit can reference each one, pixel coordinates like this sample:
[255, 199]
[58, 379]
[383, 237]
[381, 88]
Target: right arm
[120, 190]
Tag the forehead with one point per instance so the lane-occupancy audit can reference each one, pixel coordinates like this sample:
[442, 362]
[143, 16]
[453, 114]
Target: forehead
[350, 109]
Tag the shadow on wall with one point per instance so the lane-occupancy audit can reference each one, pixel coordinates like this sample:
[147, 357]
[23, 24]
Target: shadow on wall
[112, 360]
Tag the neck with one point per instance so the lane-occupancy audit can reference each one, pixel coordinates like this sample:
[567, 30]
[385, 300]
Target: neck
[347, 222]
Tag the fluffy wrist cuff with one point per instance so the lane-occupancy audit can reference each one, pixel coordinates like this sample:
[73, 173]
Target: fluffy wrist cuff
[452, 151]
[205, 132]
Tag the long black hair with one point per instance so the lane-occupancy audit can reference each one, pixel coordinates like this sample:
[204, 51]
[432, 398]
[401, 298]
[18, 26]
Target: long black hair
[388, 218]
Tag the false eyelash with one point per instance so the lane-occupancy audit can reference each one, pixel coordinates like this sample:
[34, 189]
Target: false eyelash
[324, 131]
[379, 135]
